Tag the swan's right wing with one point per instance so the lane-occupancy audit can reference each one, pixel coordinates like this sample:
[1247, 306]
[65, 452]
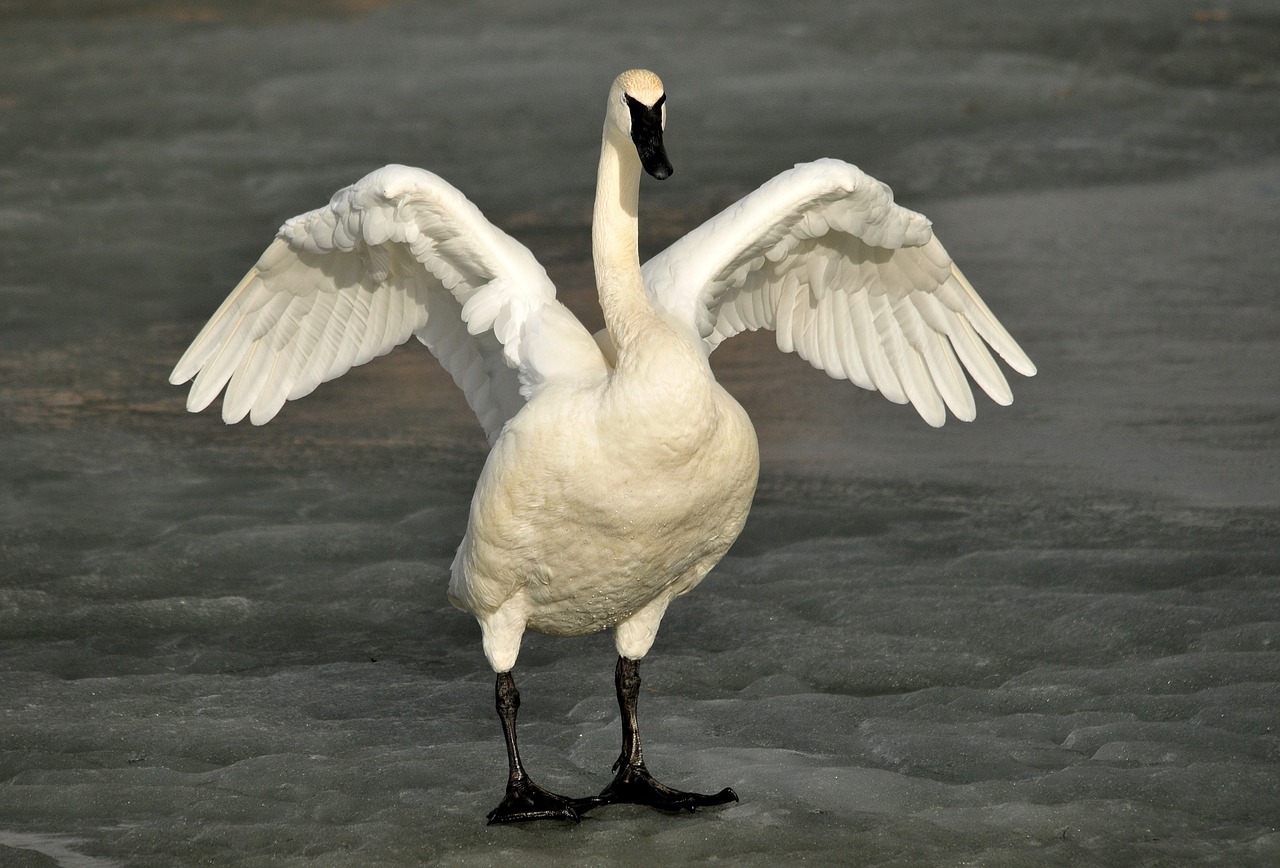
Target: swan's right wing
[399, 253]
[855, 284]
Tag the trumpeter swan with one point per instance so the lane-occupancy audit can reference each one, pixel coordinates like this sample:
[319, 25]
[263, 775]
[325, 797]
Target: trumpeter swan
[620, 471]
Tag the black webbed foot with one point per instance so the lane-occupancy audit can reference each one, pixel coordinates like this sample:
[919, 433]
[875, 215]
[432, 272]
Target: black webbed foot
[633, 785]
[525, 800]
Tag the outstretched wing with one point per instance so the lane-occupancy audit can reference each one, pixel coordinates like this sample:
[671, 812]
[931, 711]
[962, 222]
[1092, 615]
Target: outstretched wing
[855, 284]
[399, 253]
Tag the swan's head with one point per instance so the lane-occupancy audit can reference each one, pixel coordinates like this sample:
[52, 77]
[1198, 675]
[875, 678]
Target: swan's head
[637, 109]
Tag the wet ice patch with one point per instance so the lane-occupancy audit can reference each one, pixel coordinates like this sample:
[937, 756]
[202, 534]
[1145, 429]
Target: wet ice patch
[30, 849]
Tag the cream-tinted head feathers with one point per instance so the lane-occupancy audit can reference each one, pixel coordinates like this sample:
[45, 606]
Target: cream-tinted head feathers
[640, 84]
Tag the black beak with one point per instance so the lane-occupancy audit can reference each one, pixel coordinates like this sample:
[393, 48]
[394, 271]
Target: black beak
[646, 133]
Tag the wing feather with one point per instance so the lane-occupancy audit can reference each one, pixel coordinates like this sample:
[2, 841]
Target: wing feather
[875, 353]
[830, 345]
[846, 341]
[397, 254]
[852, 282]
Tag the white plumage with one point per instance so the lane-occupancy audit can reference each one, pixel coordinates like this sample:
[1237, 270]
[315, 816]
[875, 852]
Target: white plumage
[400, 253]
[620, 471]
[858, 286]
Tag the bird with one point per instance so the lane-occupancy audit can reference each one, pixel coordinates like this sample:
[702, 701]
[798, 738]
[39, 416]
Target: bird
[620, 471]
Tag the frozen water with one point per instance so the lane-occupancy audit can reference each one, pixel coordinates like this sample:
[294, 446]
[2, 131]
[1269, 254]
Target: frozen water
[1048, 637]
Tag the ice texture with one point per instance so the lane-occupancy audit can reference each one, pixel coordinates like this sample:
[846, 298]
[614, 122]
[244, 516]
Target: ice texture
[1047, 637]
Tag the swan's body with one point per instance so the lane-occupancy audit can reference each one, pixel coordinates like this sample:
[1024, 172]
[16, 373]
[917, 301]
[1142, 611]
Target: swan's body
[562, 528]
[621, 471]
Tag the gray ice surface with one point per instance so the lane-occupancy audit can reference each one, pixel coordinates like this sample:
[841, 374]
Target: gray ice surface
[1047, 637]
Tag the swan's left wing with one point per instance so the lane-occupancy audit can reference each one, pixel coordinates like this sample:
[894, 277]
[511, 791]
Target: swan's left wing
[855, 284]
[399, 253]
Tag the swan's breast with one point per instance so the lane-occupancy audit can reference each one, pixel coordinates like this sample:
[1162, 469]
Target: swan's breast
[593, 518]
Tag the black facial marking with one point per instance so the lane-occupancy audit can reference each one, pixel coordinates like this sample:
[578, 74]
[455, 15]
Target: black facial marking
[646, 133]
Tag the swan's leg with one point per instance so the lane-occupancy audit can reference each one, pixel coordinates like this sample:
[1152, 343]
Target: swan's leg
[525, 800]
[633, 784]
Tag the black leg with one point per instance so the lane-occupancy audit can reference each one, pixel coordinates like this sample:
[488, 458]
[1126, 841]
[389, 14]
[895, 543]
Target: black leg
[525, 800]
[633, 784]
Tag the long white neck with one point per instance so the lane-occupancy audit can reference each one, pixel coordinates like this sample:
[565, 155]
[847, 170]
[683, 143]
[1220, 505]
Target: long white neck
[662, 389]
[615, 245]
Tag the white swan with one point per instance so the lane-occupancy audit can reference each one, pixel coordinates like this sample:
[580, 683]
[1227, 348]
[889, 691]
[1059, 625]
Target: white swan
[620, 471]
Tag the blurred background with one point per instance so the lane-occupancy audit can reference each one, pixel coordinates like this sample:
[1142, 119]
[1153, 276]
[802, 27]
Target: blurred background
[1048, 636]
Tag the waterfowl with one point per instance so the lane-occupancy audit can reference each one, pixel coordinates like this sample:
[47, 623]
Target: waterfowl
[620, 471]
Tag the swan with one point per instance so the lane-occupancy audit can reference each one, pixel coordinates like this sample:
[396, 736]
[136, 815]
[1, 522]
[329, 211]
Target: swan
[620, 471]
